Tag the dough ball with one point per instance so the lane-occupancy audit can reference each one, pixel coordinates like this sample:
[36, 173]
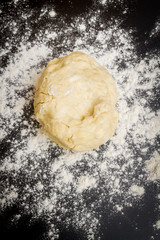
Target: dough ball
[75, 102]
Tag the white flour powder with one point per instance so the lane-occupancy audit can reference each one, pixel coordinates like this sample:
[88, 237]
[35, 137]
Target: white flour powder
[59, 181]
[136, 190]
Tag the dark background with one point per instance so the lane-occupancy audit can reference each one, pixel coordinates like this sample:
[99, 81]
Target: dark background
[141, 17]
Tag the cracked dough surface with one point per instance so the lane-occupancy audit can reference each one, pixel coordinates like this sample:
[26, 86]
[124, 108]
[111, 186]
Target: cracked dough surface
[75, 102]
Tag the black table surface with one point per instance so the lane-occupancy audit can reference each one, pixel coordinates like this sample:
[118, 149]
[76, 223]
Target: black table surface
[141, 16]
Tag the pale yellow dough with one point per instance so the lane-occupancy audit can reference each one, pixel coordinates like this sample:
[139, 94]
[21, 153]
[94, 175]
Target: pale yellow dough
[75, 102]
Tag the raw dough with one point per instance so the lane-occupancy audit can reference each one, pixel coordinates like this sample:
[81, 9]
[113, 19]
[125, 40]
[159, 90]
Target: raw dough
[75, 102]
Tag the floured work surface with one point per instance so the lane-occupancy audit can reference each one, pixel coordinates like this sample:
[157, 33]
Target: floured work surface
[108, 193]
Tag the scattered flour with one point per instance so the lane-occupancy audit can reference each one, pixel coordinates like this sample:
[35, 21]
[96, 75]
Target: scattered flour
[60, 181]
[137, 190]
[9, 196]
[156, 29]
[85, 182]
[39, 186]
[103, 2]
[52, 14]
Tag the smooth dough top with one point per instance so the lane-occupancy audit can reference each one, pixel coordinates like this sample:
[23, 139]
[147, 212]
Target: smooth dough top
[75, 102]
